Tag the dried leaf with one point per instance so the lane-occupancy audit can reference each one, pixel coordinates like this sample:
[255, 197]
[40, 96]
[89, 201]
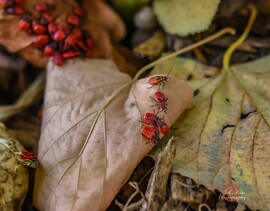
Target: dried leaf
[153, 47]
[31, 95]
[101, 14]
[157, 186]
[13, 174]
[225, 133]
[10, 35]
[90, 141]
[184, 17]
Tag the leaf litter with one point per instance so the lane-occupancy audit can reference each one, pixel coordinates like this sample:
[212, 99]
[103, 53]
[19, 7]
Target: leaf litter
[223, 135]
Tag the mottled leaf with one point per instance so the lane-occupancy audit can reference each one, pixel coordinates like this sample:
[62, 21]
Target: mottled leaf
[13, 172]
[184, 17]
[224, 136]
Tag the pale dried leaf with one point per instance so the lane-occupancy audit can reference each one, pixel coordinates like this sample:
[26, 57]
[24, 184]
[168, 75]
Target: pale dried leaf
[225, 133]
[91, 141]
[184, 17]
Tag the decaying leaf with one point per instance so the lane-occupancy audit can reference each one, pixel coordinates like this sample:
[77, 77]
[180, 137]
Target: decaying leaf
[13, 172]
[157, 186]
[31, 95]
[184, 17]
[153, 47]
[10, 35]
[90, 141]
[101, 14]
[224, 136]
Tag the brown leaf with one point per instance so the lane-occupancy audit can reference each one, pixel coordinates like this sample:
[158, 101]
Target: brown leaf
[33, 55]
[101, 14]
[91, 141]
[10, 35]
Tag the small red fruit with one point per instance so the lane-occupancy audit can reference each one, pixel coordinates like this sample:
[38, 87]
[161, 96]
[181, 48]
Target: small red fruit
[73, 20]
[77, 10]
[6, 3]
[60, 35]
[46, 18]
[71, 54]
[39, 29]
[50, 49]
[52, 28]
[25, 23]
[42, 6]
[14, 10]
[72, 38]
[41, 40]
[58, 58]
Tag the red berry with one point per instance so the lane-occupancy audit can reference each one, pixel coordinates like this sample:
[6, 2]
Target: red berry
[42, 6]
[52, 28]
[41, 41]
[73, 20]
[46, 18]
[77, 10]
[72, 38]
[63, 27]
[71, 54]
[58, 58]
[50, 49]
[6, 3]
[60, 35]
[14, 10]
[39, 29]
[25, 23]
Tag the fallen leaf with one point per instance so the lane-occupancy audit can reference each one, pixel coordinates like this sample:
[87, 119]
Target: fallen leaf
[33, 55]
[153, 47]
[11, 37]
[184, 17]
[101, 14]
[90, 141]
[157, 186]
[31, 95]
[224, 136]
[13, 174]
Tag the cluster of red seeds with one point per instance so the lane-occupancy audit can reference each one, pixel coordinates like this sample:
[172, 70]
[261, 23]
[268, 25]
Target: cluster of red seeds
[62, 41]
[153, 124]
[13, 7]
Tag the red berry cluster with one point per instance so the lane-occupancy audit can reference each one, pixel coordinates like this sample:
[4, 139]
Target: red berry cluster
[153, 124]
[13, 7]
[62, 41]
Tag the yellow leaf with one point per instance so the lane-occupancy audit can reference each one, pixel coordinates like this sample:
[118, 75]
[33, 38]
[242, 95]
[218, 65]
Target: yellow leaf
[13, 172]
[224, 135]
[184, 17]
